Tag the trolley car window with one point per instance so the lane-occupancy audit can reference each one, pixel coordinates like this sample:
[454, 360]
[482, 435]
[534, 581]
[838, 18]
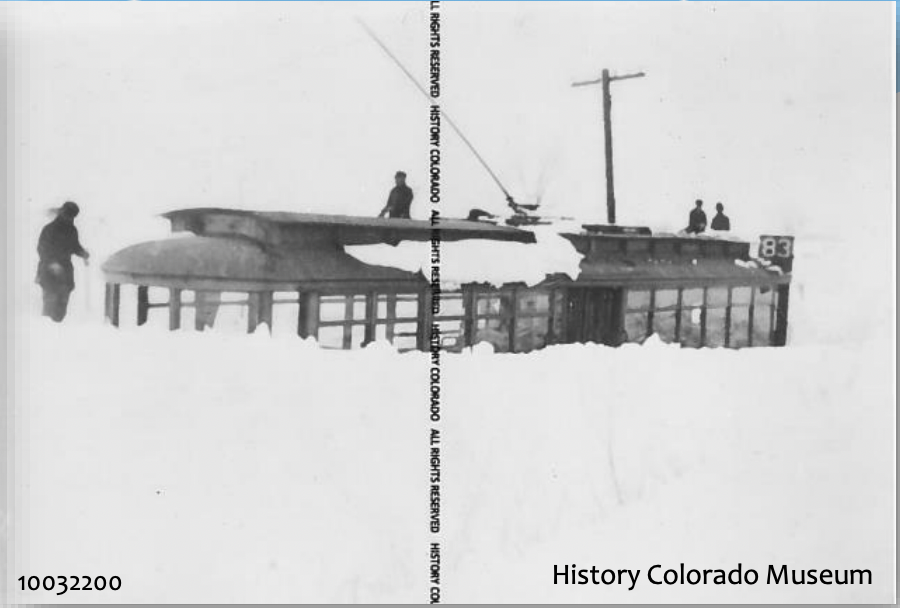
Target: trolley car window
[332, 308]
[492, 319]
[285, 311]
[717, 297]
[230, 315]
[692, 317]
[691, 298]
[636, 325]
[452, 305]
[233, 297]
[450, 320]
[492, 305]
[453, 337]
[359, 307]
[665, 298]
[763, 296]
[533, 302]
[715, 327]
[532, 319]
[637, 314]
[741, 296]
[331, 336]
[495, 331]
[740, 326]
[357, 336]
[188, 312]
[637, 300]
[158, 294]
[763, 301]
[531, 333]
[665, 310]
[407, 306]
[716, 305]
[405, 336]
[664, 325]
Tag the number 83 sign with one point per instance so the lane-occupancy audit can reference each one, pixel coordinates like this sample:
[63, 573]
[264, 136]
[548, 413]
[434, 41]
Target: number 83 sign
[779, 249]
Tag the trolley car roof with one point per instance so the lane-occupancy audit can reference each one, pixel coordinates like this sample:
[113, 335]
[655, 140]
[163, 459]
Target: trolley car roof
[240, 250]
[241, 264]
[278, 227]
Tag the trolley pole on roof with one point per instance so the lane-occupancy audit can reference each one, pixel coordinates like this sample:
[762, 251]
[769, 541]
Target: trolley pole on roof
[605, 80]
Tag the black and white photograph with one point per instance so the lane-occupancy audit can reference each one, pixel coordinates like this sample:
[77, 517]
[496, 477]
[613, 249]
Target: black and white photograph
[450, 302]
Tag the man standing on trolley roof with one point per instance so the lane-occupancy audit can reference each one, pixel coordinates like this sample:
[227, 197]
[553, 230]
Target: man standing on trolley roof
[56, 246]
[399, 200]
[720, 221]
[697, 219]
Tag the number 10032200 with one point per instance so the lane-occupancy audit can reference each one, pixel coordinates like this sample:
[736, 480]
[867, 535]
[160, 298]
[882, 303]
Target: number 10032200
[64, 584]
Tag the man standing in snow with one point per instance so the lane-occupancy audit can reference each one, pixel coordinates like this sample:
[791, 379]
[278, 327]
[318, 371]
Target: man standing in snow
[56, 246]
[697, 219]
[399, 200]
[720, 221]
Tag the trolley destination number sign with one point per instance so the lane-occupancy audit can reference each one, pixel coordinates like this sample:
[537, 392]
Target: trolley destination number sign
[778, 249]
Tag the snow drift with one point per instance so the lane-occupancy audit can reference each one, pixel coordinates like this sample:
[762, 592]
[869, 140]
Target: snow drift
[212, 467]
[482, 261]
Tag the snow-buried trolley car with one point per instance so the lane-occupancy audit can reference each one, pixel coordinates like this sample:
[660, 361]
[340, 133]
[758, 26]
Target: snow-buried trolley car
[292, 272]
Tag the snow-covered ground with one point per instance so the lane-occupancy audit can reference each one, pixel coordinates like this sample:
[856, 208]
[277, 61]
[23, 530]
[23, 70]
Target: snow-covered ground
[217, 467]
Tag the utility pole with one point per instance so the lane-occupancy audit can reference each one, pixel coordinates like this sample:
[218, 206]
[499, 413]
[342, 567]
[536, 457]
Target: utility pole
[605, 80]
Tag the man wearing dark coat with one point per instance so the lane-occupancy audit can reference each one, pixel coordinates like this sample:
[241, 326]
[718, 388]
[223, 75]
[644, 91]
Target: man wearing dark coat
[720, 221]
[56, 246]
[697, 219]
[399, 200]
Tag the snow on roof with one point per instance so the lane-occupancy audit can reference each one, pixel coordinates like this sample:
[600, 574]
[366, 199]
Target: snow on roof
[481, 261]
[716, 235]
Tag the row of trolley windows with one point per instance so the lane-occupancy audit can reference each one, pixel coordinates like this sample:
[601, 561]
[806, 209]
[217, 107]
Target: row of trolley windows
[343, 320]
[712, 316]
[512, 320]
[517, 320]
[339, 321]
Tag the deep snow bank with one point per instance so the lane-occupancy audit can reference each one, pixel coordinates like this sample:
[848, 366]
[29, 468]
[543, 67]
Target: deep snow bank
[205, 467]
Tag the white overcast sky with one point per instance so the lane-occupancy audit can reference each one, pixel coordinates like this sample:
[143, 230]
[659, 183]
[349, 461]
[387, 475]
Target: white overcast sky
[783, 111]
